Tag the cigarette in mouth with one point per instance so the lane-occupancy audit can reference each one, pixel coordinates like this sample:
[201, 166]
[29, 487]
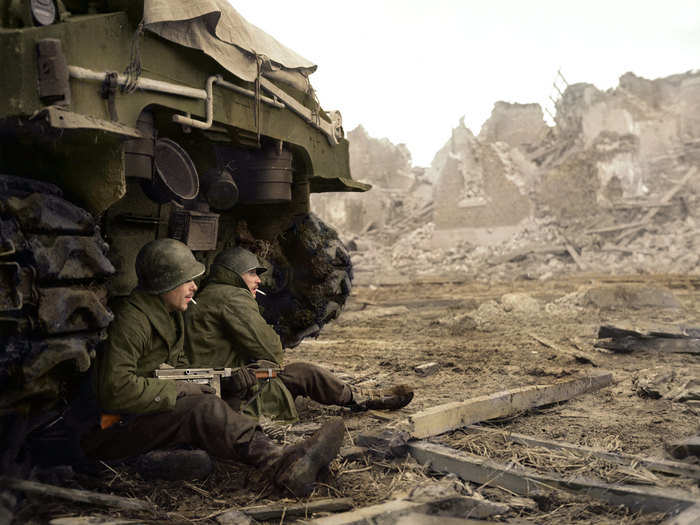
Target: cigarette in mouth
[193, 301]
[260, 291]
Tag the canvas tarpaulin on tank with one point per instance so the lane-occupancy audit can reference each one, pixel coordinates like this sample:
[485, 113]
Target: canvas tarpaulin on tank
[216, 28]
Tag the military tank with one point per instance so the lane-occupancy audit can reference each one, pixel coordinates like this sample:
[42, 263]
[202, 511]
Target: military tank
[122, 122]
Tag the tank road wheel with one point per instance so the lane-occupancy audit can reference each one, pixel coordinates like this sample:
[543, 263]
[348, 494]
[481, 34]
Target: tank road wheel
[53, 298]
[310, 280]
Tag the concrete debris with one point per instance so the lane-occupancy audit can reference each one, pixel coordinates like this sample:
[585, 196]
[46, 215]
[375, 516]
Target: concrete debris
[613, 187]
[427, 369]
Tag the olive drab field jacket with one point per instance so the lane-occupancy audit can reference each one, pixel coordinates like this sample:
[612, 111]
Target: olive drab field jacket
[143, 335]
[225, 329]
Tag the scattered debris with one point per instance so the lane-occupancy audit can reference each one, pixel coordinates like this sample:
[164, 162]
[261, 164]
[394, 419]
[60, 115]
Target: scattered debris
[633, 461]
[84, 496]
[684, 448]
[427, 369]
[668, 383]
[389, 512]
[663, 338]
[280, 510]
[527, 482]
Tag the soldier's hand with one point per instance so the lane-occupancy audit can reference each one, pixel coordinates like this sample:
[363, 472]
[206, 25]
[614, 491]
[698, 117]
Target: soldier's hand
[243, 380]
[186, 388]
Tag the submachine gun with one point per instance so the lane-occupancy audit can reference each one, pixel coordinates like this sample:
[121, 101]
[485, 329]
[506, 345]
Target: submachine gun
[211, 376]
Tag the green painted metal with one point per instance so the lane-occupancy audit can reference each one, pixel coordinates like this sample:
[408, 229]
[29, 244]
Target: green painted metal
[102, 42]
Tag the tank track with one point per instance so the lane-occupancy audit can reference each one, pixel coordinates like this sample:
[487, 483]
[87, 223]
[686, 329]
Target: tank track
[310, 280]
[53, 297]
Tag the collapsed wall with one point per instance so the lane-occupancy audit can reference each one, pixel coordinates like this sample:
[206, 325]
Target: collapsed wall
[397, 187]
[480, 192]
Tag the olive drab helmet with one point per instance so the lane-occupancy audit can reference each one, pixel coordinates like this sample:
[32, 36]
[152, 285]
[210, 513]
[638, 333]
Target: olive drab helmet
[239, 260]
[164, 264]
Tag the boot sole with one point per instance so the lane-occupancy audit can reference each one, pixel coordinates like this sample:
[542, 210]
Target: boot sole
[303, 472]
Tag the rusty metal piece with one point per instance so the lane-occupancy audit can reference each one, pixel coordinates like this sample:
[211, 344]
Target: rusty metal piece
[69, 257]
[63, 310]
[198, 230]
[48, 353]
[40, 212]
[54, 84]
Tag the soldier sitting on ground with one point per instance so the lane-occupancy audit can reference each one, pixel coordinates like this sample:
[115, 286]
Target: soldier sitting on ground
[225, 329]
[142, 413]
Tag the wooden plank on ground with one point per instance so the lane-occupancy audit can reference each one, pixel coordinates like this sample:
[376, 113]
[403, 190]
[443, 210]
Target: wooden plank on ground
[658, 344]
[415, 518]
[83, 496]
[576, 257]
[450, 416]
[580, 355]
[457, 506]
[277, 510]
[93, 520]
[526, 482]
[690, 516]
[677, 468]
[648, 329]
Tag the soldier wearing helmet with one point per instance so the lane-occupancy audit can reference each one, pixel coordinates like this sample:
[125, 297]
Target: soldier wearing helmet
[142, 413]
[225, 328]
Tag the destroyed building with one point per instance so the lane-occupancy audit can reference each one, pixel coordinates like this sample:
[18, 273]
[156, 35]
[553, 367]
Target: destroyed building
[609, 184]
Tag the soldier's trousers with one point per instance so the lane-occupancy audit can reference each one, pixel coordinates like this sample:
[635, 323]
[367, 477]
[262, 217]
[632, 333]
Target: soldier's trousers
[315, 382]
[201, 421]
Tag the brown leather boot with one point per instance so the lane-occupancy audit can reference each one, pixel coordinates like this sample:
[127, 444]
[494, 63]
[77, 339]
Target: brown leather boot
[381, 399]
[296, 467]
[300, 464]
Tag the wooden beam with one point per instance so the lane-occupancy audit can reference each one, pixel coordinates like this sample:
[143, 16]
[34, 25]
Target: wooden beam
[576, 257]
[690, 516]
[93, 520]
[528, 482]
[677, 468]
[648, 329]
[684, 448]
[450, 416]
[579, 355]
[665, 199]
[415, 518]
[658, 344]
[458, 506]
[277, 510]
[83, 496]
[635, 225]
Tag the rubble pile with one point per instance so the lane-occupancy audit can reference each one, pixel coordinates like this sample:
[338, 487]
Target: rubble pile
[613, 187]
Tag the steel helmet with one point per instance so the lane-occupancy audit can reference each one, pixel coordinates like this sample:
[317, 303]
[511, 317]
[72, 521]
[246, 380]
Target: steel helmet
[239, 260]
[164, 264]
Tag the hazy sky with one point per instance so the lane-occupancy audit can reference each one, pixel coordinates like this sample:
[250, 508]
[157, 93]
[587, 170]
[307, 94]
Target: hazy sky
[409, 69]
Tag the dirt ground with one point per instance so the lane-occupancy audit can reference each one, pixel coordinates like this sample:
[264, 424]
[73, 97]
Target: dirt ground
[484, 338]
